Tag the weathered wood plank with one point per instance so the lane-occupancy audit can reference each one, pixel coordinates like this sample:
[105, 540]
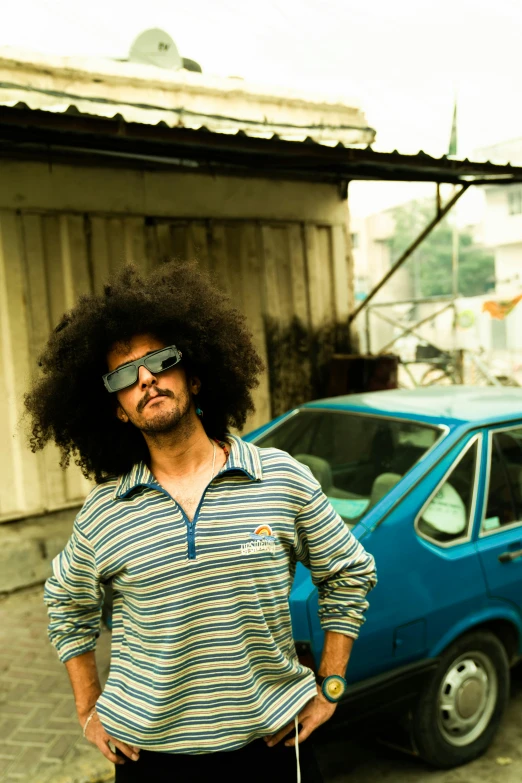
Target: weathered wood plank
[251, 276]
[50, 475]
[298, 273]
[340, 275]
[39, 315]
[218, 256]
[282, 260]
[75, 266]
[179, 241]
[314, 275]
[234, 232]
[134, 242]
[100, 253]
[163, 241]
[19, 485]
[53, 265]
[324, 274]
[115, 228]
[272, 305]
[167, 194]
[199, 242]
[76, 275]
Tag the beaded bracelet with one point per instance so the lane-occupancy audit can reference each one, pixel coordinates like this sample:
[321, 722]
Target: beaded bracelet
[88, 721]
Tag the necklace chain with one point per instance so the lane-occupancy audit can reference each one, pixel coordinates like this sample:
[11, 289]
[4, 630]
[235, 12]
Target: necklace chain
[213, 459]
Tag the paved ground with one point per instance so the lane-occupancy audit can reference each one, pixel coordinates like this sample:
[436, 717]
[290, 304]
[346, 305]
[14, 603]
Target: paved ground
[40, 738]
[41, 742]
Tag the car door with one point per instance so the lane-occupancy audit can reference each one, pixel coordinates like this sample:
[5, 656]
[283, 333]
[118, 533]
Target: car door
[427, 577]
[430, 577]
[499, 540]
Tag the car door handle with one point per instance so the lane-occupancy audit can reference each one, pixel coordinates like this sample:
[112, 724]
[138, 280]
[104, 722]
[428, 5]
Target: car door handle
[507, 557]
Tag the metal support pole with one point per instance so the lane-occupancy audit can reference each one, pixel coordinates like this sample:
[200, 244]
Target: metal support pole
[410, 329]
[482, 367]
[423, 300]
[439, 202]
[407, 253]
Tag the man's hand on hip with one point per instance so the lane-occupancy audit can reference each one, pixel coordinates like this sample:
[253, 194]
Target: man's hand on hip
[97, 735]
[313, 714]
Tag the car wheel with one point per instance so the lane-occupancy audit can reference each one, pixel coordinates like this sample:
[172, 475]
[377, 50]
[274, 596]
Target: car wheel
[461, 708]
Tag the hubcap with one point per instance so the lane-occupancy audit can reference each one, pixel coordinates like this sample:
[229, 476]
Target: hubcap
[467, 698]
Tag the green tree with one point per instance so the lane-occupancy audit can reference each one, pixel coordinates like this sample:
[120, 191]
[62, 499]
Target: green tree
[431, 264]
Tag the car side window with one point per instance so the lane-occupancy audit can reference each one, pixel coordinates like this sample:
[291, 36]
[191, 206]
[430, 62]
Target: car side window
[447, 516]
[504, 500]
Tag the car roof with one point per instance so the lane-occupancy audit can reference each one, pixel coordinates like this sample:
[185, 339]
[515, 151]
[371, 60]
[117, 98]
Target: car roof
[449, 405]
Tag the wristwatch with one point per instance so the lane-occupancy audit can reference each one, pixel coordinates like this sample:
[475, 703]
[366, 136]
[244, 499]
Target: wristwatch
[333, 687]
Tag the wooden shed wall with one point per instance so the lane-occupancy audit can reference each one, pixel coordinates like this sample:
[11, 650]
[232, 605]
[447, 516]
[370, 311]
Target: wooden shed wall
[279, 273]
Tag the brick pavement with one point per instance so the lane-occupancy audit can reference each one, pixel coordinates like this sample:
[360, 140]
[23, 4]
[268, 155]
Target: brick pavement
[40, 738]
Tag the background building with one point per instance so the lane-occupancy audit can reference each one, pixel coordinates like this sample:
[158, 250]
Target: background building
[489, 270]
[503, 233]
[372, 259]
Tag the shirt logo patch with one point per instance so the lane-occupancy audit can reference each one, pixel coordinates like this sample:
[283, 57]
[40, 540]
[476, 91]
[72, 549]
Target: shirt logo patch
[261, 540]
[263, 532]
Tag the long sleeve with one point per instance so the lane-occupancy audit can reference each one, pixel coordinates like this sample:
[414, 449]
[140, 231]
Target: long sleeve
[74, 595]
[342, 570]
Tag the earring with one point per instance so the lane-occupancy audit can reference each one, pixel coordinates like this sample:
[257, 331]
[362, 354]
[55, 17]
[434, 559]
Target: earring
[199, 412]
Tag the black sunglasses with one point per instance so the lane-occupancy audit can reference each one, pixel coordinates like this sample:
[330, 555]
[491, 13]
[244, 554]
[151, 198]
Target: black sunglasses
[155, 362]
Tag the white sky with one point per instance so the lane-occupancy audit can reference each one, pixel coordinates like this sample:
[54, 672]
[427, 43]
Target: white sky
[401, 59]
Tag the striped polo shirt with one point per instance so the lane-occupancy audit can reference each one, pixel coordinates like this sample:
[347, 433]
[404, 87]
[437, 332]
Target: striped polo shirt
[202, 655]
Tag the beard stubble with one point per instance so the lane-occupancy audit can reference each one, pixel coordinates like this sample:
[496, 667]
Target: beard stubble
[176, 420]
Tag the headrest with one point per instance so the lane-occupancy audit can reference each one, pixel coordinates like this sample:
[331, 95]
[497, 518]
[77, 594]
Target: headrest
[382, 485]
[319, 467]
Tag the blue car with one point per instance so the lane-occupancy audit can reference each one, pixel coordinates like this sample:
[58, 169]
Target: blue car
[430, 480]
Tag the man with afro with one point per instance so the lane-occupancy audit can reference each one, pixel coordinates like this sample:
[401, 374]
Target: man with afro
[197, 531]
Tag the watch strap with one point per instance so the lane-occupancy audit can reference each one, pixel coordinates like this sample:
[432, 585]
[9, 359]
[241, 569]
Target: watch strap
[332, 687]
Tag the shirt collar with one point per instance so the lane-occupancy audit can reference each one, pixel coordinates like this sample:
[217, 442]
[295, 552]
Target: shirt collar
[139, 475]
[243, 456]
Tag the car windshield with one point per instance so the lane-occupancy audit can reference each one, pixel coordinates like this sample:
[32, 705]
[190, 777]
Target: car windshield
[355, 457]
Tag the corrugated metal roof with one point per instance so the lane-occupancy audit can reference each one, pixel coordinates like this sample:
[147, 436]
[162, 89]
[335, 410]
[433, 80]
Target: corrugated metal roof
[73, 136]
[147, 95]
[65, 108]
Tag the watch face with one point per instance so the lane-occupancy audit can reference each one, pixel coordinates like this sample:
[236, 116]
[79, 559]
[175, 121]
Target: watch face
[333, 687]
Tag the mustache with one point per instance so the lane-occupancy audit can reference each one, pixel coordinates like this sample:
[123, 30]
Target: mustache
[159, 393]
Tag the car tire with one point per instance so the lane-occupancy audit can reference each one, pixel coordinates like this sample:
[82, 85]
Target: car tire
[460, 709]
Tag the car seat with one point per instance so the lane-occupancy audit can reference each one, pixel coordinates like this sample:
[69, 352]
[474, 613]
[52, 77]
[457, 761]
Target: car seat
[323, 473]
[382, 485]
